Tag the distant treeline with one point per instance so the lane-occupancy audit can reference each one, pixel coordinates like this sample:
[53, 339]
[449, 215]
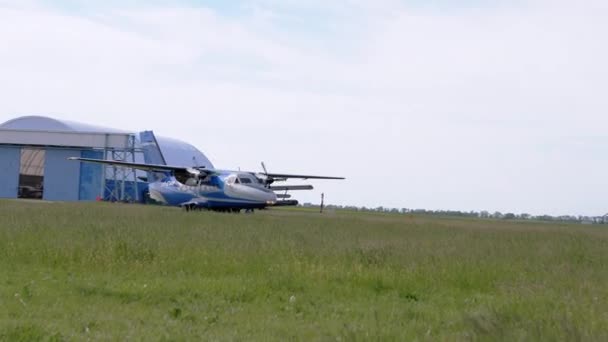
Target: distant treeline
[472, 214]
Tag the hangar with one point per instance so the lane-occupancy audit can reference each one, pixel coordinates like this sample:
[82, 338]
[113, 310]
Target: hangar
[34, 152]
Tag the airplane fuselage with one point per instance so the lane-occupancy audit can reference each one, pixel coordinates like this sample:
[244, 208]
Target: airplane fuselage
[228, 190]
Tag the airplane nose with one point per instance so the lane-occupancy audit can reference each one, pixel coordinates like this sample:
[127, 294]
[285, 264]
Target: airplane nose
[272, 197]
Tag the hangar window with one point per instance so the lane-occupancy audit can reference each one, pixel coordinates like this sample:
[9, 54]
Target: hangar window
[31, 173]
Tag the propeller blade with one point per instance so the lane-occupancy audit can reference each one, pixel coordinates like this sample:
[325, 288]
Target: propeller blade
[267, 180]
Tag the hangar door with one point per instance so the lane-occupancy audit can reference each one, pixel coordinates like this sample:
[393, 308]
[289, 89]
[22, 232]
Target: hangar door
[9, 171]
[61, 175]
[31, 173]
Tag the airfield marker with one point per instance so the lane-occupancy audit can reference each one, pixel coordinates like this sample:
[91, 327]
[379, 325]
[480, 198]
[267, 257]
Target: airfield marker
[322, 198]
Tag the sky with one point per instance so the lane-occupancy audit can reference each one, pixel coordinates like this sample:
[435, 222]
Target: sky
[443, 104]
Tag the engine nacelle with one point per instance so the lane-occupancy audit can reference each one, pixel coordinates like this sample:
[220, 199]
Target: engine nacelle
[286, 203]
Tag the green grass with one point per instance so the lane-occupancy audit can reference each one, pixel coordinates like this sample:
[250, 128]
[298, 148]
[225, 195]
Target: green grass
[104, 271]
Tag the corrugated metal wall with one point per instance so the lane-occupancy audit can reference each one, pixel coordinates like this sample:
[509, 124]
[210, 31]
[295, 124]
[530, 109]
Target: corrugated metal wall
[142, 189]
[91, 177]
[61, 176]
[9, 171]
[64, 180]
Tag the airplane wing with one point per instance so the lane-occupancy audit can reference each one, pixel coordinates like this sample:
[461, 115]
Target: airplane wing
[147, 167]
[287, 176]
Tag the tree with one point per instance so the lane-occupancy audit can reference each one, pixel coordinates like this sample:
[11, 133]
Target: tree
[509, 216]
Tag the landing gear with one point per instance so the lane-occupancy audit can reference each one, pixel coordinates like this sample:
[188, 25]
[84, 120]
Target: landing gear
[191, 207]
[194, 206]
[227, 210]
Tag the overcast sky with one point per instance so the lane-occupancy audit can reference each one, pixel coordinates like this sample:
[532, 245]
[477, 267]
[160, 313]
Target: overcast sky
[444, 104]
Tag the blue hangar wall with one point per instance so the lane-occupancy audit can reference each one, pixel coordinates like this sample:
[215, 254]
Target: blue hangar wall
[9, 171]
[64, 180]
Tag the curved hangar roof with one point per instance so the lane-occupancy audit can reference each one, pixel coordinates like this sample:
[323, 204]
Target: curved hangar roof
[44, 123]
[42, 130]
[179, 153]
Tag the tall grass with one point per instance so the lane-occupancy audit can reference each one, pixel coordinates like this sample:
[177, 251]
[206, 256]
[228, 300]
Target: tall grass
[109, 271]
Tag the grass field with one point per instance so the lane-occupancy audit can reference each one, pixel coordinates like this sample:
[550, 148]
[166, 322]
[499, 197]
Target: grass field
[103, 271]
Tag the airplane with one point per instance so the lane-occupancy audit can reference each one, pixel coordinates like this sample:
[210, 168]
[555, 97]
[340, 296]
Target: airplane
[199, 187]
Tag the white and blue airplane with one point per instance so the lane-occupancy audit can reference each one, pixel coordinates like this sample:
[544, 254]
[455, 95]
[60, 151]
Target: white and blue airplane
[204, 188]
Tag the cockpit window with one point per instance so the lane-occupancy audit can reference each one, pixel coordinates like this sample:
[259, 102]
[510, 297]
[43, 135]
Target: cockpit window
[231, 180]
[245, 180]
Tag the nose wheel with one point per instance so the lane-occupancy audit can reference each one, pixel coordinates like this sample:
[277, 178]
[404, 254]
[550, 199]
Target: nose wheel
[189, 207]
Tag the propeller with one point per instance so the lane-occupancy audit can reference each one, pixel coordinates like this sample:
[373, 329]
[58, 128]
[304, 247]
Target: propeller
[267, 180]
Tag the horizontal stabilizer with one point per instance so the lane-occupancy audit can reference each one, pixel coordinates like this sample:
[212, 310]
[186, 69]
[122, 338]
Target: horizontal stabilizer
[291, 187]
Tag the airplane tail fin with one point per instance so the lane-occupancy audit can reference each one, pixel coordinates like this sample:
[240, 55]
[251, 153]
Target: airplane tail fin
[152, 154]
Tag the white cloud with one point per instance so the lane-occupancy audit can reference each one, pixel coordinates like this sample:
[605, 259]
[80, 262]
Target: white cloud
[471, 108]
